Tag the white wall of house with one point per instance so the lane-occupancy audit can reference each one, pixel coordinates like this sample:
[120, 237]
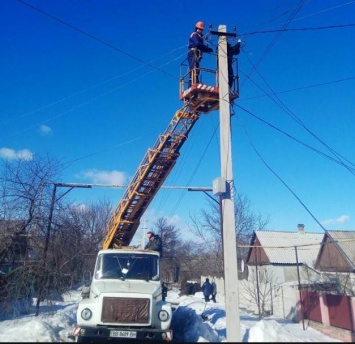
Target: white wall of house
[282, 284]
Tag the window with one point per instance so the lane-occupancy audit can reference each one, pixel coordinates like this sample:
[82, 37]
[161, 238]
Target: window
[127, 266]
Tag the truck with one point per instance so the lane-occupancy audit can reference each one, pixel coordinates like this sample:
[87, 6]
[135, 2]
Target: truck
[125, 299]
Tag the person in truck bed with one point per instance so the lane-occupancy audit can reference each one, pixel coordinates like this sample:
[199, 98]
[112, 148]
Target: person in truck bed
[154, 243]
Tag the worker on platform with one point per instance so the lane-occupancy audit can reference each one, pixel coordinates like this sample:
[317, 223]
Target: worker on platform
[196, 48]
[232, 50]
[154, 242]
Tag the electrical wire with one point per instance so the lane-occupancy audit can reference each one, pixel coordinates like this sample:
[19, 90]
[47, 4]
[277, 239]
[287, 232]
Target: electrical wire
[44, 107]
[352, 170]
[152, 66]
[86, 102]
[296, 88]
[298, 29]
[292, 115]
[272, 43]
[282, 181]
[96, 39]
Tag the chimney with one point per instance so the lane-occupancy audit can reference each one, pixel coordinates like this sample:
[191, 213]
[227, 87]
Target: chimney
[300, 228]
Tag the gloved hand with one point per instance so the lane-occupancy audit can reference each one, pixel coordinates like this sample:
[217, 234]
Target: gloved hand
[209, 50]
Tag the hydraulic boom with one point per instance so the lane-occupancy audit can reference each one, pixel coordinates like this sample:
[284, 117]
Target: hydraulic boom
[158, 162]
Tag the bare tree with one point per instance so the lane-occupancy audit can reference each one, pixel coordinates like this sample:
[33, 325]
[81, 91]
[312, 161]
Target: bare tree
[207, 227]
[46, 242]
[22, 196]
[82, 229]
[171, 243]
[75, 237]
[169, 235]
[259, 292]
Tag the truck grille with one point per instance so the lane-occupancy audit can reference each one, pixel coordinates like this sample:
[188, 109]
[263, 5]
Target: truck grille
[125, 310]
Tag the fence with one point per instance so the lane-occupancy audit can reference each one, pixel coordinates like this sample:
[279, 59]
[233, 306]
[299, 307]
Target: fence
[334, 315]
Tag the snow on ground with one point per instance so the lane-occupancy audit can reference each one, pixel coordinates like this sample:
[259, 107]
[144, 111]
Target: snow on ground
[193, 321]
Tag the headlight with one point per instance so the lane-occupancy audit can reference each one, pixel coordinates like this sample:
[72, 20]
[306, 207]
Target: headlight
[163, 315]
[86, 314]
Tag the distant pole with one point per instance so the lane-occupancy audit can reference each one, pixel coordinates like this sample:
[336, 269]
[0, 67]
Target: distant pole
[144, 232]
[42, 279]
[228, 216]
[299, 288]
[257, 280]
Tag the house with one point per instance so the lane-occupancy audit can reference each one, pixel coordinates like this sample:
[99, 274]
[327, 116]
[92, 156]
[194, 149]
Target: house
[336, 259]
[304, 276]
[337, 252]
[278, 263]
[280, 252]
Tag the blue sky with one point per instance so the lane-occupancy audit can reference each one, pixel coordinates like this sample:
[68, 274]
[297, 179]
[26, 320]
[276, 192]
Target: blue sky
[95, 82]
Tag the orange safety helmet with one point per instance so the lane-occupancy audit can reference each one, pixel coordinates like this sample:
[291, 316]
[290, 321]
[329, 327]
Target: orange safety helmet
[200, 25]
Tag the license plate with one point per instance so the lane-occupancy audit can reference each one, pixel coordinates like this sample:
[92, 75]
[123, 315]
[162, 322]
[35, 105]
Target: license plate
[123, 334]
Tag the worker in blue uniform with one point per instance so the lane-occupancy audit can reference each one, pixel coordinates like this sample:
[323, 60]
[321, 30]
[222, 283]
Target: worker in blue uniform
[232, 50]
[196, 48]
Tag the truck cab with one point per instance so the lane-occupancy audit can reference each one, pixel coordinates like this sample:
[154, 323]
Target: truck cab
[124, 300]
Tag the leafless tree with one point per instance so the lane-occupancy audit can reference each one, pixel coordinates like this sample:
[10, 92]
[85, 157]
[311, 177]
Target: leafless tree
[75, 239]
[82, 229]
[259, 291]
[171, 243]
[22, 196]
[190, 257]
[207, 227]
[47, 242]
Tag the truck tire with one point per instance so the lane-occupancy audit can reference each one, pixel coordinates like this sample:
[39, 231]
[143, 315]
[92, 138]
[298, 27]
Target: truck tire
[80, 339]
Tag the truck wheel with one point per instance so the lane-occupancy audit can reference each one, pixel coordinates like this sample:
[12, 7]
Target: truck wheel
[80, 339]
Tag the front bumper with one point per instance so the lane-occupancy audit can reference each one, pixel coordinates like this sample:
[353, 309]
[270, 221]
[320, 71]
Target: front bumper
[103, 334]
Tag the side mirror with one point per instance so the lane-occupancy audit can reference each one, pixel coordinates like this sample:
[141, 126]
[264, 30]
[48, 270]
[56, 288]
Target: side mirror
[85, 291]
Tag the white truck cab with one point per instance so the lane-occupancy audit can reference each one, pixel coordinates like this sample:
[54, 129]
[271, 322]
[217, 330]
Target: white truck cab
[124, 300]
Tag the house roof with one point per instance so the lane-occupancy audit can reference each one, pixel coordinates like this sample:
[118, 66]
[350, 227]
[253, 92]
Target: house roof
[346, 244]
[279, 246]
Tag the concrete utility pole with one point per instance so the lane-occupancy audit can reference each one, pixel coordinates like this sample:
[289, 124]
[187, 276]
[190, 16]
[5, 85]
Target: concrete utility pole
[228, 217]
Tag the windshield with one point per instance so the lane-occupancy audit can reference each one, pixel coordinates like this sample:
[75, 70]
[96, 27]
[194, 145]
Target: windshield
[127, 266]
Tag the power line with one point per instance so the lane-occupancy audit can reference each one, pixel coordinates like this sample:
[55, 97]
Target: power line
[268, 48]
[297, 29]
[282, 181]
[85, 102]
[297, 88]
[352, 170]
[299, 121]
[301, 245]
[96, 39]
[89, 185]
[14, 118]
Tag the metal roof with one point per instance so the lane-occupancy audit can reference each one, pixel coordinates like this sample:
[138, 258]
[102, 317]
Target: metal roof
[346, 242]
[280, 246]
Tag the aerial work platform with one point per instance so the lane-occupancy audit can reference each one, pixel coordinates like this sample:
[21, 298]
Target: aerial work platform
[202, 96]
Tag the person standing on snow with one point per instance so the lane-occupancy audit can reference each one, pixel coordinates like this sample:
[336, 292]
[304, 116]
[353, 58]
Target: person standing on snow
[214, 291]
[207, 289]
[196, 48]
